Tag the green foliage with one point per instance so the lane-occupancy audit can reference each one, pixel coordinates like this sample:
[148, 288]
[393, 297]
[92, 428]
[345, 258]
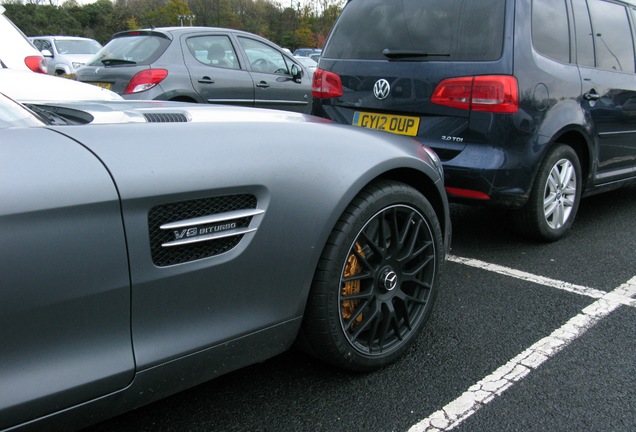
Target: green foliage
[290, 27]
[304, 37]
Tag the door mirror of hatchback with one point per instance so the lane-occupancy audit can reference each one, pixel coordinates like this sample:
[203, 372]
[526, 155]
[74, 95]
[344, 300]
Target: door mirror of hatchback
[296, 73]
[46, 53]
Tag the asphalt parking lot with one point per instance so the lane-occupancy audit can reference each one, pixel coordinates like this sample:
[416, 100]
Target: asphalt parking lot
[524, 337]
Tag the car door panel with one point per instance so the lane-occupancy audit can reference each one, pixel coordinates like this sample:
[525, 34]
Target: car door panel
[613, 111]
[63, 243]
[609, 85]
[280, 92]
[272, 76]
[216, 74]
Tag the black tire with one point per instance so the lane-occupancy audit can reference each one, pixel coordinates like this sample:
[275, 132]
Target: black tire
[555, 196]
[376, 281]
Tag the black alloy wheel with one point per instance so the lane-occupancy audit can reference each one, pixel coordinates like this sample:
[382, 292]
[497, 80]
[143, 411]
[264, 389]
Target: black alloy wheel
[377, 279]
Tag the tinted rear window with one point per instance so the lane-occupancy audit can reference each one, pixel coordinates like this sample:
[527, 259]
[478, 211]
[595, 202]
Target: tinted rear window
[443, 29]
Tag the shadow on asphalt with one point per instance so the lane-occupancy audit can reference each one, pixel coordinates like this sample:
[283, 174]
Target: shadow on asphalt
[477, 227]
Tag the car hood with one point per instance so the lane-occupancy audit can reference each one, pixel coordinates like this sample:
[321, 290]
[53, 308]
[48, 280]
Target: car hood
[25, 86]
[80, 58]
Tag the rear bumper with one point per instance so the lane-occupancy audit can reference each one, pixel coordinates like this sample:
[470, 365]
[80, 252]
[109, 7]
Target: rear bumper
[504, 176]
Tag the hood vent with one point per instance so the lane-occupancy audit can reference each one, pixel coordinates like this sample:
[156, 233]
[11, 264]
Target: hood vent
[166, 118]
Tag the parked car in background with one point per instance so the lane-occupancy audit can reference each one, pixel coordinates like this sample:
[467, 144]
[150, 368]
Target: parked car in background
[531, 104]
[306, 52]
[310, 64]
[178, 242]
[16, 51]
[200, 64]
[65, 54]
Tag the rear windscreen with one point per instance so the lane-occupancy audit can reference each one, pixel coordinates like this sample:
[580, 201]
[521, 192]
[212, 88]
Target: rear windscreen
[139, 49]
[453, 30]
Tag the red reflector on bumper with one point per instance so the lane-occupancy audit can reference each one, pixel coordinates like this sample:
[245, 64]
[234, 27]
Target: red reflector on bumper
[466, 193]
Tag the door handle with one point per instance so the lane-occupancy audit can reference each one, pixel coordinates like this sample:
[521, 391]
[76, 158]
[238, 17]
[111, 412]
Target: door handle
[591, 96]
[262, 84]
[206, 80]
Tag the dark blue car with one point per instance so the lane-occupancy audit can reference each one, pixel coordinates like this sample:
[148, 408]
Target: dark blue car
[530, 104]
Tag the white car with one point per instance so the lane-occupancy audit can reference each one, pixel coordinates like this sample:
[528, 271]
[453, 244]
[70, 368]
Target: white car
[65, 54]
[16, 51]
[25, 86]
[308, 63]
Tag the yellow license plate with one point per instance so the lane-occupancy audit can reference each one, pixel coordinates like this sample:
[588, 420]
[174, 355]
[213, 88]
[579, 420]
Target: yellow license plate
[403, 125]
[102, 85]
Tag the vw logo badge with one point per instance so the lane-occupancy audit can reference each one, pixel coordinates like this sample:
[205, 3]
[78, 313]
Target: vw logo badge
[381, 89]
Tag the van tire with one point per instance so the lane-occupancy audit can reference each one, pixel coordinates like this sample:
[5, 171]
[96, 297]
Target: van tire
[554, 198]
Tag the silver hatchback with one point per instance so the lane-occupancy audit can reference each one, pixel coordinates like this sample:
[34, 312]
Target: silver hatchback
[200, 64]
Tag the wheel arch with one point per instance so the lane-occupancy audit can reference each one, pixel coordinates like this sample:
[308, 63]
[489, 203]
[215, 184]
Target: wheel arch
[181, 95]
[62, 69]
[184, 99]
[577, 140]
[424, 185]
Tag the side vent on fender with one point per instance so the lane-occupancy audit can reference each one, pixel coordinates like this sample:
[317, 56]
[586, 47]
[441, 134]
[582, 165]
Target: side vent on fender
[191, 230]
[166, 118]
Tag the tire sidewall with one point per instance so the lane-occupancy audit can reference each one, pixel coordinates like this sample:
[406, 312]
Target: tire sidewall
[544, 231]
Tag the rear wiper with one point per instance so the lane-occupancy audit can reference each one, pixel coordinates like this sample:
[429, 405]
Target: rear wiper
[405, 54]
[111, 61]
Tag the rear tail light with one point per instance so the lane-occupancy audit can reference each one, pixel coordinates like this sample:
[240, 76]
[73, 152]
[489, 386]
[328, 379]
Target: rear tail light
[490, 93]
[326, 85]
[36, 63]
[145, 80]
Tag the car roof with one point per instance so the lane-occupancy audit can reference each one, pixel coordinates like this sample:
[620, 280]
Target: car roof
[182, 30]
[60, 37]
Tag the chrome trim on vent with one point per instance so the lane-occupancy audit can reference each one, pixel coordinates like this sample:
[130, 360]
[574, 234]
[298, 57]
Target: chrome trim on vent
[208, 237]
[211, 219]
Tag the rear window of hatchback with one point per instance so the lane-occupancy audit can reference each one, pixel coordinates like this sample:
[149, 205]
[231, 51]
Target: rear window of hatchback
[141, 49]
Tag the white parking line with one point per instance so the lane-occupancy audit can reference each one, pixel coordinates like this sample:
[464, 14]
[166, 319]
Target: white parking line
[520, 366]
[565, 286]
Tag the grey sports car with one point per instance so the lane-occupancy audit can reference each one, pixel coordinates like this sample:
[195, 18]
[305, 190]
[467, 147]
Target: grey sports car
[150, 246]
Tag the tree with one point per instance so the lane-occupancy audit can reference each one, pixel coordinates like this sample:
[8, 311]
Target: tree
[290, 27]
[304, 37]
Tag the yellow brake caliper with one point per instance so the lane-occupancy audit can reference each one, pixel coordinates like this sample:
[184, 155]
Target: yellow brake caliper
[351, 269]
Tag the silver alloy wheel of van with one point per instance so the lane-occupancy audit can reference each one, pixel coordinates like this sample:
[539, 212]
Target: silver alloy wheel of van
[554, 198]
[560, 194]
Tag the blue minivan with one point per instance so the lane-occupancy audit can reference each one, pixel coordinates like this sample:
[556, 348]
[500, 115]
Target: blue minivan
[530, 104]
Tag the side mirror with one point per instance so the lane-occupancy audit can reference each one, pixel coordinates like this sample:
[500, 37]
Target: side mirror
[296, 73]
[46, 53]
